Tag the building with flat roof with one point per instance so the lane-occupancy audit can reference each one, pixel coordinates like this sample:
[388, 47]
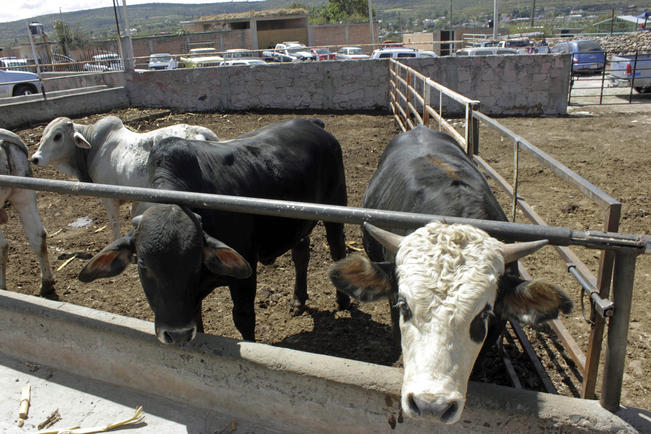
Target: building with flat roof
[264, 28]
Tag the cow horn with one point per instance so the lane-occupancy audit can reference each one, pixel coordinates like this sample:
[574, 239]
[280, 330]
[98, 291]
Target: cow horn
[513, 252]
[388, 239]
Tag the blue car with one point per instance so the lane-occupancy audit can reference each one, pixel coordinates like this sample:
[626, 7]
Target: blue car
[587, 56]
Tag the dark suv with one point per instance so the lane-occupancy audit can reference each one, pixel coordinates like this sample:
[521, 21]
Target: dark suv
[587, 56]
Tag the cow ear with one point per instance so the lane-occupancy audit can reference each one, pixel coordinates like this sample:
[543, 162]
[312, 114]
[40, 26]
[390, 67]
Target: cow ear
[223, 260]
[111, 261]
[80, 141]
[535, 301]
[362, 279]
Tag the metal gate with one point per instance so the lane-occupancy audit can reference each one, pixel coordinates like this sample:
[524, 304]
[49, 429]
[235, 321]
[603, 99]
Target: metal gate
[622, 79]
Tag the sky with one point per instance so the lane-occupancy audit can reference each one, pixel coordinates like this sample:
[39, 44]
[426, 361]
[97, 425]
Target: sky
[24, 9]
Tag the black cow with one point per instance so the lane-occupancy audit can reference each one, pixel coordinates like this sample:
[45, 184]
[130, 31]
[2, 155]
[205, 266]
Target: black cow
[183, 256]
[444, 281]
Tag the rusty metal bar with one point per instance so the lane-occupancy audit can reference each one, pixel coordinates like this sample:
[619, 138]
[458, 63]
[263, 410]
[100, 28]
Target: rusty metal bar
[606, 263]
[627, 243]
[623, 278]
[506, 359]
[533, 357]
[596, 194]
[475, 132]
[446, 126]
[516, 175]
[426, 102]
[569, 343]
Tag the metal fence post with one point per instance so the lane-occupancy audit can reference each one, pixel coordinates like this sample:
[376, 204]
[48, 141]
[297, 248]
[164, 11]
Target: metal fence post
[623, 279]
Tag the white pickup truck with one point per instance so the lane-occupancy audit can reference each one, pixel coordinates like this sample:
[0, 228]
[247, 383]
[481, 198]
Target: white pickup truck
[631, 70]
[289, 52]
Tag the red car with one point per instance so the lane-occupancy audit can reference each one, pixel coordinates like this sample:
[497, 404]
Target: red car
[323, 54]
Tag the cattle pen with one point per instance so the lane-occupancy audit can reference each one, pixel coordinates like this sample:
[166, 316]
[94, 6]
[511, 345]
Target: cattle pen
[623, 248]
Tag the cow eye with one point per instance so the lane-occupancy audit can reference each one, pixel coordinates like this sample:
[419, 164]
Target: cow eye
[478, 326]
[405, 311]
[57, 136]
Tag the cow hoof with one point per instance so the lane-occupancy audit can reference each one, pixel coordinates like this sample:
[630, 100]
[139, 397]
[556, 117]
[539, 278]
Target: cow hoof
[47, 290]
[297, 307]
[343, 301]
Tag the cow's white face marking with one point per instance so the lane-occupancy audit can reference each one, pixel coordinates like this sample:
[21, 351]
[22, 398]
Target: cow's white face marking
[448, 276]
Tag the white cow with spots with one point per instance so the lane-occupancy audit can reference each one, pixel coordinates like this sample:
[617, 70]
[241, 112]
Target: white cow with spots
[13, 161]
[107, 152]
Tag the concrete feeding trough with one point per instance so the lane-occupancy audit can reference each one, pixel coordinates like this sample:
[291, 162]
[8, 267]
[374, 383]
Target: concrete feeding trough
[261, 385]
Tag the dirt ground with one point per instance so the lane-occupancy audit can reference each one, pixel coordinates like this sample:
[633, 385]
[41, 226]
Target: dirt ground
[609, 146]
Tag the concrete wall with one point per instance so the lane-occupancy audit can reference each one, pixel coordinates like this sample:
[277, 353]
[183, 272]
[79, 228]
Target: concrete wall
[505, 85]
[335, 85]
[30, 112]
[280, 389]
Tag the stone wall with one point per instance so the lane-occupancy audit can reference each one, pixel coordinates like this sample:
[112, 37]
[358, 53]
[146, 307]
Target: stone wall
[505, 85]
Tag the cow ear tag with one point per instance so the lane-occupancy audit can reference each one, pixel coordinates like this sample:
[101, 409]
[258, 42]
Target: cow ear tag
[223, 260]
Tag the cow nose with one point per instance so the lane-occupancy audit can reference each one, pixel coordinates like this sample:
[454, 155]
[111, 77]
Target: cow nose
[178, 336]
[439, 407]
[34, 160]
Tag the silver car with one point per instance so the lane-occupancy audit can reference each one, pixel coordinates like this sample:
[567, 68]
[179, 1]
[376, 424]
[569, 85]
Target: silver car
[16, 83]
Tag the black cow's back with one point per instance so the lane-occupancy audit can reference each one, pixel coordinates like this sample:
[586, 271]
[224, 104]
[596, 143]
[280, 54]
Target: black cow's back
[294, 160]
[423, 171]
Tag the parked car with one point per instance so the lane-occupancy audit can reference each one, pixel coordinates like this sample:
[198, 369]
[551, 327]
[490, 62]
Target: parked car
[351, 53]
[13, 64]
[16, 83]
[587, 55]
[104, 62]
[394, 53]
[520, 44]
[239, 53]
[61, 62]
[291, 51]
[243, 62]
[162, 61]
[425, 53]
[201, 58]
[486, 51]
[631, 70]
[323, 54]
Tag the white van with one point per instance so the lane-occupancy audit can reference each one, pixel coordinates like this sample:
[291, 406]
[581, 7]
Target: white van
[486, 51]
[400, 53]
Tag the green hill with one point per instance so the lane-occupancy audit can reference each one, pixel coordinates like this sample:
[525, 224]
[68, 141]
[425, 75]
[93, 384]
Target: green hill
[406, 15]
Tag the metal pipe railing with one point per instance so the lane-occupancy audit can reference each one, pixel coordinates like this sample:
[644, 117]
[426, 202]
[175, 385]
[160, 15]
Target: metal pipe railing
[632, 244]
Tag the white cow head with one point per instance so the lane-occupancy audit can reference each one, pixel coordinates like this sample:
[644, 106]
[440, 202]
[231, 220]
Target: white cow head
[448, 283]
[59, 145]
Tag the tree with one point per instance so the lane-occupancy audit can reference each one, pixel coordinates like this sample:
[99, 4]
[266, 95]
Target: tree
[343, 10]
[69, 38]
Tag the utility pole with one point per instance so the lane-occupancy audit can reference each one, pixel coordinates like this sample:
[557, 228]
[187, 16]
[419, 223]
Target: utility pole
[370, 23]
[450, 36]
[496, 21]
[533, 10]
[34, 28]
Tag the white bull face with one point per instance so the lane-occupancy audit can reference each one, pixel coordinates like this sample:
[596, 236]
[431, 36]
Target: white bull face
[448, 279]
[446, 287]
